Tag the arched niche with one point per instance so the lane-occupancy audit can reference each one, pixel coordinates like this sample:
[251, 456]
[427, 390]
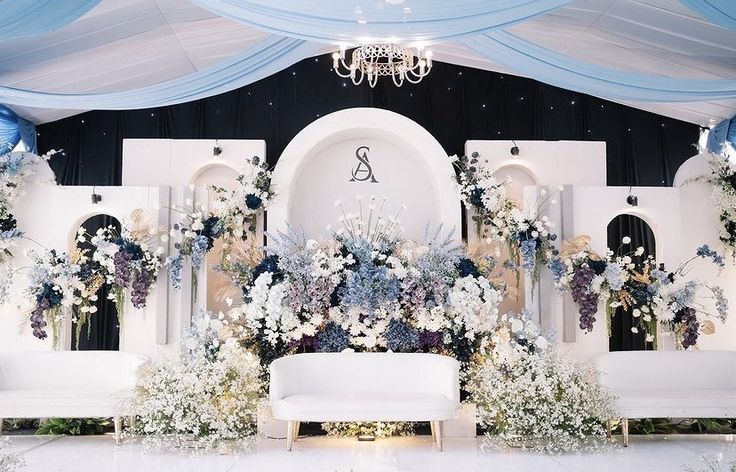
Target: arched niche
[521, 176]
[692, 170]
[326, 162]
[642, 235]
[102, 330]
[222, 175]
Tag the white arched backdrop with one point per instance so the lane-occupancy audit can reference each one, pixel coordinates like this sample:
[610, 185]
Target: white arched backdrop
[368, 152]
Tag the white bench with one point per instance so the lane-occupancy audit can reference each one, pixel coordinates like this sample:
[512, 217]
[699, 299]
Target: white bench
[364, 387]
[66, 384]
[669, 384]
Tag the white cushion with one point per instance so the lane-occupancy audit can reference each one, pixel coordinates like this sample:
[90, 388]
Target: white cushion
[681, 403]
[358, 406]
[59, 403]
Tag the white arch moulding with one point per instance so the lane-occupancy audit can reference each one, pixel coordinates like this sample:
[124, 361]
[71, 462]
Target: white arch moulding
[357, 123]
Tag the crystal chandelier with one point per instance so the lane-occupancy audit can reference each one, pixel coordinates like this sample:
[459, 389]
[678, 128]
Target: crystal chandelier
[371, 61]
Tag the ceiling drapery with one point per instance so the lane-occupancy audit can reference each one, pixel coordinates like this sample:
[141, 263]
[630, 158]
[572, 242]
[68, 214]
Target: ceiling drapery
[572, 74]
[720, 12]
[20, 18]
[261, 60]
[402, 20]
[655, 55]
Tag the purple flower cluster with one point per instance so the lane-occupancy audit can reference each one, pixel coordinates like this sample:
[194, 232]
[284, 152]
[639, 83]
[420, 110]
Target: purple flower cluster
[122, 268]
[688, 318]
[582, 295]
[429, 340]
[38, 323]
[141, 287]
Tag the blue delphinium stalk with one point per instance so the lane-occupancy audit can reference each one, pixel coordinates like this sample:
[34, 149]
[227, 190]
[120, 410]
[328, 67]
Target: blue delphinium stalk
[200, 246]
[558, 269]
[370, 287]
[721, 302]
[333, 338]
[528, 249]
[175, 267]
[706, 252]
[400, 337]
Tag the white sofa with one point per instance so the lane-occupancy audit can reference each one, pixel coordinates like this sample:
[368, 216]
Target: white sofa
[364, 387]
[66, 384]
[669, 384]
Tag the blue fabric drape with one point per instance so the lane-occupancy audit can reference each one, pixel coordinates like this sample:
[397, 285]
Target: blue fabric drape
[723, 132]
[409, 20]
[562, 71]
[720, 12]
[20, 18]
[14, 129]
[261, 60]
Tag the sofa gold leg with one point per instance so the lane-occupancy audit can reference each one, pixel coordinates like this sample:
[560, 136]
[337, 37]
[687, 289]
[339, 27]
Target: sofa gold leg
[434, 433]
[118, 421]
[131, 421]
[438, 434]
[290, 434]
[296, 430]
[625, 431]
[609, 427]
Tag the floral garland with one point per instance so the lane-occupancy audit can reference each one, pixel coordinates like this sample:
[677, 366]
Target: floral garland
[654, 295]
[527, 393]
[130, 261]
[368, 289]
[723, 179]
[527, 234]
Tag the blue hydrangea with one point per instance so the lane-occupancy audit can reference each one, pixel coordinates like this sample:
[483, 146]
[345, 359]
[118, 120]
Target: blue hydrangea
[333, 338]
[400, 337]
[369, 287]
[175, 265]
[706, 252]
[200, 246]
[614, 276]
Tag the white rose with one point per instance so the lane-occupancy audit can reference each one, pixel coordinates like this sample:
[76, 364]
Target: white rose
[634, 329]
[516, 325]
[626, 240]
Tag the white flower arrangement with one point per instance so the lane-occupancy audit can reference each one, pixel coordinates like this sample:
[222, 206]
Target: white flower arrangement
[207, 398]
[723, 179]
[377, 429]
[10, 461]
[239, 208]
[539, 398]
[527, 233]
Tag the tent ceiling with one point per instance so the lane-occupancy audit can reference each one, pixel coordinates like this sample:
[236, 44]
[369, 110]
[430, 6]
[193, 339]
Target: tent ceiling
[126, 44]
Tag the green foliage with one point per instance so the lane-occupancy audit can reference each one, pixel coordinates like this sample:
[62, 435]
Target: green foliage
[15, 424]
[74, 426]
[690, 426]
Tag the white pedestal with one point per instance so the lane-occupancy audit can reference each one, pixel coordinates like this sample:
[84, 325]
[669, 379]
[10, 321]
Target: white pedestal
[463, 424]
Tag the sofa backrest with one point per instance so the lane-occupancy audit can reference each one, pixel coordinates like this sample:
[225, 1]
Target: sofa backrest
[94, 370]
[365, 372]
[667, 369]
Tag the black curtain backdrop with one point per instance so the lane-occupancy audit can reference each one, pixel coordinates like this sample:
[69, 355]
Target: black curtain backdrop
[622, 339]
[453, 103]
